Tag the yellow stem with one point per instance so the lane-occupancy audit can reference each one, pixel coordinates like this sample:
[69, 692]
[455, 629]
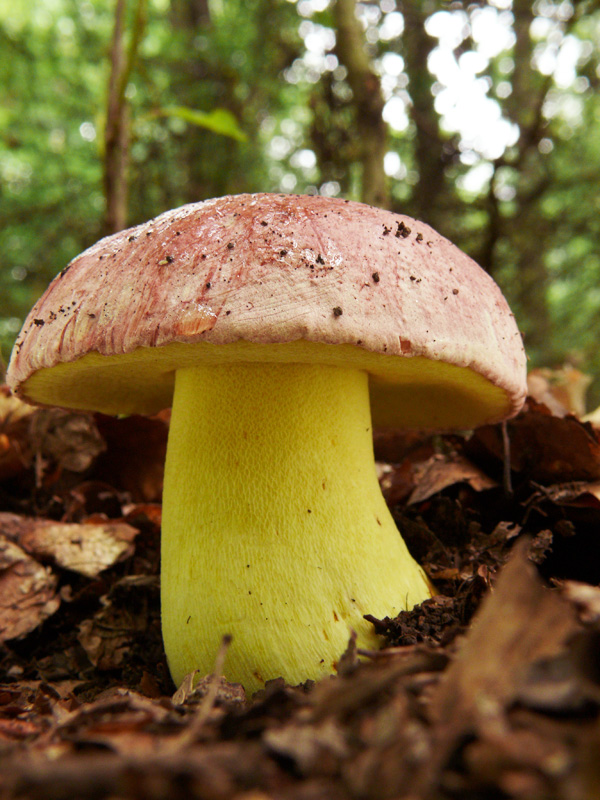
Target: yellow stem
[274, 527]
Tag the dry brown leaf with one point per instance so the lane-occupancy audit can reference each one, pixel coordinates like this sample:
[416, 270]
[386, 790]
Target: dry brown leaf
[11, 408]
[68, 439]
[186, 688]
[563, 390]
[529, 622]
[396, 481]
[586, 599]
[11, 729]
[577, 493]
[86, 548]
[27, 592]
[45, 437]
[14, 442]
[439, 472]
[517, 625]
[105, 647]
[118, 720]
[515, 762]
[107, 637]
[310, 747]
[545, 448]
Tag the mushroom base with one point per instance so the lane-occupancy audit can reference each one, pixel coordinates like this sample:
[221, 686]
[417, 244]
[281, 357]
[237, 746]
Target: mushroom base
[274, 526]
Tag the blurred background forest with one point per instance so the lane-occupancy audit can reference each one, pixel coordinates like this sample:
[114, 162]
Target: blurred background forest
[481, 118]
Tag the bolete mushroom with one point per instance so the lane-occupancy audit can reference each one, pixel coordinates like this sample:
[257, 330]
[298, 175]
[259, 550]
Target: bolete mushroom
[276, 327]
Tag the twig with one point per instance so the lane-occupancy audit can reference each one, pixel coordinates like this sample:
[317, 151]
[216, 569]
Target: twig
[507, 477]
[208, 701]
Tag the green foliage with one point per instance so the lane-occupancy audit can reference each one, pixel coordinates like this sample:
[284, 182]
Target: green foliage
[52, 77]
[196, 88]
[220, 120]
[248, 95]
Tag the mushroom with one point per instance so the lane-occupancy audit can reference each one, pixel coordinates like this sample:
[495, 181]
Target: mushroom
[277, 327]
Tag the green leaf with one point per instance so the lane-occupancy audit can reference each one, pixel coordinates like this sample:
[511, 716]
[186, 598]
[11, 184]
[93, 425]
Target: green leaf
[220, 120]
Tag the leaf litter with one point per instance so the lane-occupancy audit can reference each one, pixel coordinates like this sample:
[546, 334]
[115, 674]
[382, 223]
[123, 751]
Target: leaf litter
[490, 689]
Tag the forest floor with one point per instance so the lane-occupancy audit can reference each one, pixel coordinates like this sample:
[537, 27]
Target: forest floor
[489, 690]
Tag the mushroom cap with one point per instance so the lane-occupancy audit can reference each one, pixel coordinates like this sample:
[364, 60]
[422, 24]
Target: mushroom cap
[271, 277]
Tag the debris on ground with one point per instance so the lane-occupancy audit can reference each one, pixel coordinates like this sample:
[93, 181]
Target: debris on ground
[490, 689]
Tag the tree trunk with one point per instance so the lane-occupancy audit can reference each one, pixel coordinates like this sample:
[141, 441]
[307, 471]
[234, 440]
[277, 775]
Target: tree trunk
[190, 14]
[116, 131]
[430, 149]
[368, 101]
[527, 228]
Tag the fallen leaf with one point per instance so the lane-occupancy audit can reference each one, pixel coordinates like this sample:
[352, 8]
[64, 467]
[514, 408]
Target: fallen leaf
[517, 625]
[91, 497]
[308, 746]
[563, 390]
[545, 448]
[396, 481]
[439, 472]
[104, 641]
[185, 689]
[585, 598]
[540, 628]
[128, 617]
[86, 548]
[68, 439]
[15, 452]
[19, 729]
[119, 719]
[564, 683]
[516, 761]
[27, 592]
[576, 493]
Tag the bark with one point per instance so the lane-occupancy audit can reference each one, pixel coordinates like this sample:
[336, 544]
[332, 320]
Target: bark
[190, 14]
[529, 89]
[527, 227]
[431, 149]
[116, 132]
[368, 101]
